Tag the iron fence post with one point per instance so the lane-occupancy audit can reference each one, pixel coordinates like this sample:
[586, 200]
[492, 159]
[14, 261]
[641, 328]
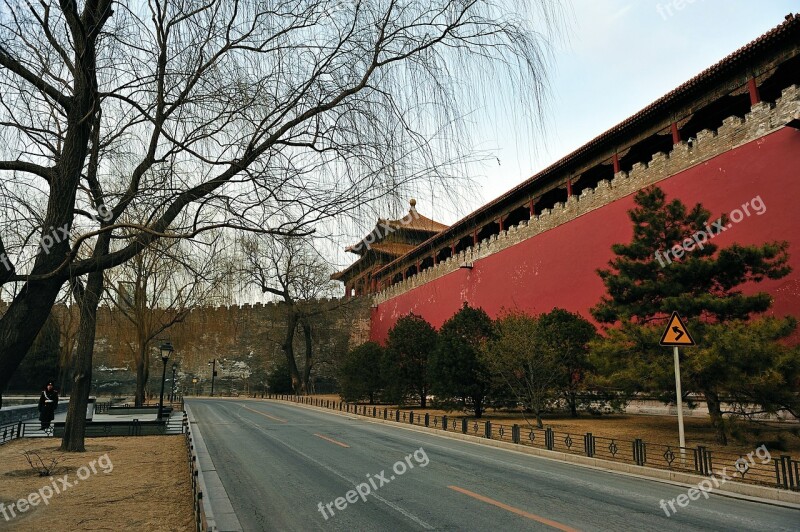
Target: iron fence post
[589, 444]
[463, 425]
[427, 419]
[549, 439]
[487, 429]
[639, 452]
[786, 473]
[444, 422]
[515, 433]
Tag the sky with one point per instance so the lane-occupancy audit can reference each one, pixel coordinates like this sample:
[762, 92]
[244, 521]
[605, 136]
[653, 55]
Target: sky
[614, 58]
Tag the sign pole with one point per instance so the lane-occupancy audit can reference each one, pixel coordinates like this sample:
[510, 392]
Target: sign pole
[679, 402]
[677, 334]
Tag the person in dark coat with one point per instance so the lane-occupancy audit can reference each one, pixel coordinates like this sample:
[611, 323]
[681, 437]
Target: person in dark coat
[48, 402]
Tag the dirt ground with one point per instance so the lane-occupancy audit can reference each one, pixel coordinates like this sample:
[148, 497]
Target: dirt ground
[120, 483]
[783, 437]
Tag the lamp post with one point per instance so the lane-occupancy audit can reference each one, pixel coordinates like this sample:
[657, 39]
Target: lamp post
[213, 365]
[172, 395]
[166, 351]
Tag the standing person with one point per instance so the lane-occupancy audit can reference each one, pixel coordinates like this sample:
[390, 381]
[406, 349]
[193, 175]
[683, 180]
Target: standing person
[47, 405]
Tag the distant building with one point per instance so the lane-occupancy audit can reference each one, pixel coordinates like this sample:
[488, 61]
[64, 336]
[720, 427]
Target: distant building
[389, 240]
[726, 136]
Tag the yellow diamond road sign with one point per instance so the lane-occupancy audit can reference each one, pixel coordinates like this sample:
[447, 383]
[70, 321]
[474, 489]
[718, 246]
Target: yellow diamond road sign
[676, 333]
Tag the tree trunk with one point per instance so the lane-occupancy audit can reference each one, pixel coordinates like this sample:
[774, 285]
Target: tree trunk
[715, 412]
[309, 354]
[477, 401]
[142, 374]
[32, 305]
[539, 423]
[24, 319]
[423, 397]
[63, 379]
[573, 403]
[75, 429]
[288, 349]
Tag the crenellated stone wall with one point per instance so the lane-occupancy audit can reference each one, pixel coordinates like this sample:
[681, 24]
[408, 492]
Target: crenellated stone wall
[232, 332]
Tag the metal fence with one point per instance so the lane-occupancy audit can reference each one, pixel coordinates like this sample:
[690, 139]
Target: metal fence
[135, 427]
[782, 472]
[201, 523]
[11, 431]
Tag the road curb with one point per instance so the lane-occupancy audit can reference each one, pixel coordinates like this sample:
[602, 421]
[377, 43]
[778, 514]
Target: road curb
[217, 506]
[748, 492]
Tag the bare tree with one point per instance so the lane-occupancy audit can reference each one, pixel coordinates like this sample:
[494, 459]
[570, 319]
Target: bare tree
[199, 114]
[68, 329]
[291, 269]
[157, 289]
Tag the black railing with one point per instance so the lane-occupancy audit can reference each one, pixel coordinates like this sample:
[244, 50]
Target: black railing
[22, 429]
[753, 468]
[11, 431]
[198, 485]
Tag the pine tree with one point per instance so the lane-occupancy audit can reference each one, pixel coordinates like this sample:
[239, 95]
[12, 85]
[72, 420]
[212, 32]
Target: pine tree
[671, 264]
[405, 364]
[456, 369]
[359, 372]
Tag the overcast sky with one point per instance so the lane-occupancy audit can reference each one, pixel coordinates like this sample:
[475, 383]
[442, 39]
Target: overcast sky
[617, 56]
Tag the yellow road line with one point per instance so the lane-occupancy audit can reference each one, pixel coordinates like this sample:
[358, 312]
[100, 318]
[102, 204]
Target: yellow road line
[513, 510]
[332, 440]
[274, 418]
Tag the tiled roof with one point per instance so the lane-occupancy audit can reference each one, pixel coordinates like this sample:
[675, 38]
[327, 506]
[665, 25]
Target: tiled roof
[413, 221]
[392, 248]
[417, 222]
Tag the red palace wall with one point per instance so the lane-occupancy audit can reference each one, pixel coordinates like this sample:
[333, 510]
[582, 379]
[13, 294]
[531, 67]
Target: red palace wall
[558, 267]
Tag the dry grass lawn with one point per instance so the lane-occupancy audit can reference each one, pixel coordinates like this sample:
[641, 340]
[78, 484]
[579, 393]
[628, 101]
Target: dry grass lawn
[142, 484]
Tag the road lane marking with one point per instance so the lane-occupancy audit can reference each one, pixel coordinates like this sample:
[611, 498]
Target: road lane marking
[274, 418]
[331, 440]
[350, 481]
[513, 510]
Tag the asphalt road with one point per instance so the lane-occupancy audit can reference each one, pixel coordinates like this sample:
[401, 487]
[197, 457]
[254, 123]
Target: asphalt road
[280, 463]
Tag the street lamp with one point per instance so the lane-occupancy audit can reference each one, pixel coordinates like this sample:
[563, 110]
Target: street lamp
[172, 395]
[213, 365]
[166, 351]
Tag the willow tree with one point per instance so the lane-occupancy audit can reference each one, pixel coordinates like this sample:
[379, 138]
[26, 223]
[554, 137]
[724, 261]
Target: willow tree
[260, 116]
[158, 288]
[293, 271]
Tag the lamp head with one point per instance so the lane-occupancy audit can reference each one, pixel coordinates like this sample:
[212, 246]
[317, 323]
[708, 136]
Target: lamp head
[166, 350]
